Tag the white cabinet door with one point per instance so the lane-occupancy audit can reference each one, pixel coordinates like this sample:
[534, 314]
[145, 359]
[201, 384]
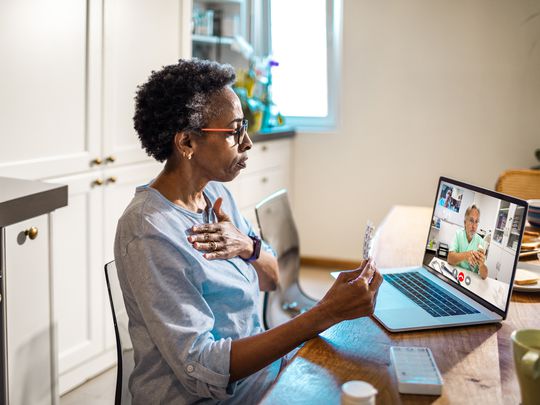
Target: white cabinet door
[120, 184]
[78, 266]
[139, 36]
[28, 313]
[43, 98]
[269, 170]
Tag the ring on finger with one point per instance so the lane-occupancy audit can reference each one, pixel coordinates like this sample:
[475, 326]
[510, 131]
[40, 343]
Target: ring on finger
[213, 245]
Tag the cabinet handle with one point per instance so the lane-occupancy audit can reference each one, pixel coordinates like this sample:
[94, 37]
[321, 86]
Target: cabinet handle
[97, 161]
[32, 233]
[112, 179]
[111, 159]
[264, 148]
[264, 179]
[97, 182]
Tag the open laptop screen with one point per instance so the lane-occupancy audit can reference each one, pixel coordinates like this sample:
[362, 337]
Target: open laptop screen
[474, 239]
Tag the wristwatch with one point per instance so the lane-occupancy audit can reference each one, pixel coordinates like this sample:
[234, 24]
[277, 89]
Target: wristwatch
[256, 248]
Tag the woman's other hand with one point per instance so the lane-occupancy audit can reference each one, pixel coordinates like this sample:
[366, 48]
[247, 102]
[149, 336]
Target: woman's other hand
[353, 294]
[221, 240]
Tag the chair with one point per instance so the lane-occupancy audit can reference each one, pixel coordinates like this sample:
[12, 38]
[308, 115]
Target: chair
[521, 183]
[124, 347]
[278, 229]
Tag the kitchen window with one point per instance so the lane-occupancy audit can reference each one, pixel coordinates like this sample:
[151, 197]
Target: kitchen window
[305, 41]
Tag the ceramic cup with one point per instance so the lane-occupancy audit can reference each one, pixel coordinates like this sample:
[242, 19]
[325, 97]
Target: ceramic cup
[526, 349]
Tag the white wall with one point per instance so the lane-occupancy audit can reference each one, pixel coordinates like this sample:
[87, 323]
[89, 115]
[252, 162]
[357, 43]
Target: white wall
[429, 88]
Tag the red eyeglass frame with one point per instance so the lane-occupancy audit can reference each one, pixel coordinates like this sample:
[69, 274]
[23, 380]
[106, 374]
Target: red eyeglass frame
[230, 131]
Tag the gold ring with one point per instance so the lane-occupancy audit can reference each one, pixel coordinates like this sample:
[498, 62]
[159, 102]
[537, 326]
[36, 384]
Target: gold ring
[213, 245]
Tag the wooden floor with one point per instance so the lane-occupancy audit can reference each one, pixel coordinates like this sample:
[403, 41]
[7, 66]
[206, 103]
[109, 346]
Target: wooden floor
[100, 390]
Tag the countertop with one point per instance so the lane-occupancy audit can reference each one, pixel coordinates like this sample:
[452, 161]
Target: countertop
[273, 134]
[24, 199]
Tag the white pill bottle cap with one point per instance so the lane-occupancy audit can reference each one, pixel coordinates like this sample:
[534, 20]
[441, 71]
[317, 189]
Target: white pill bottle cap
[358, 393]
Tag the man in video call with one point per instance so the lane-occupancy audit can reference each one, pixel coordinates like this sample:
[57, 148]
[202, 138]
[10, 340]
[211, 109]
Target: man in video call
[467, 249]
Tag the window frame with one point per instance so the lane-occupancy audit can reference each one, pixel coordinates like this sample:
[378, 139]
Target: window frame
[333, 58]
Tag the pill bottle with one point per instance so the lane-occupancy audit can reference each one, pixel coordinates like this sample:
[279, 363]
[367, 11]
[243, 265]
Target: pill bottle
[358, 393]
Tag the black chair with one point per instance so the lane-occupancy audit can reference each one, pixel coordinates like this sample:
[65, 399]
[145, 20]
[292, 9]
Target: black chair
[124, 347]
[277, 227]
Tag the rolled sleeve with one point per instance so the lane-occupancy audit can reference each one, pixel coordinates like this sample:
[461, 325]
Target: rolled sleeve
[177, 318]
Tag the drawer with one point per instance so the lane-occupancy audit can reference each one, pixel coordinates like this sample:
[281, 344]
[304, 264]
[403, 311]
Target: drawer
[265, 155]
[252, 189]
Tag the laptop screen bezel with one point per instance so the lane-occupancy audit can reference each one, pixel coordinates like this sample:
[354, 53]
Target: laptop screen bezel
[447, 280]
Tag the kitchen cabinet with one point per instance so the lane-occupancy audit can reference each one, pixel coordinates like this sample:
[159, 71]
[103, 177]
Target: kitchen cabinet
[28, 371]
[43, 97]
[269, 169]
[28, 313]
[223, 28]
[138, 37]
[507, 226]
[70, 69]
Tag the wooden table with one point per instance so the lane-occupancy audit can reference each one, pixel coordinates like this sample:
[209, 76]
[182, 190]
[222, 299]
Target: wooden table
[475, 361]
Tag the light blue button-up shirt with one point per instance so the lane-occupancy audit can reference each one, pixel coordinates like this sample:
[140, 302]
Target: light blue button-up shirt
[184, 310]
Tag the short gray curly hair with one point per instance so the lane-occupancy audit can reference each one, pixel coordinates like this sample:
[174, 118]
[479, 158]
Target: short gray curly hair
[177, 98]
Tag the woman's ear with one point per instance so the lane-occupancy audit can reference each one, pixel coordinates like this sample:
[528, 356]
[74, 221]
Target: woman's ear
[183, 144]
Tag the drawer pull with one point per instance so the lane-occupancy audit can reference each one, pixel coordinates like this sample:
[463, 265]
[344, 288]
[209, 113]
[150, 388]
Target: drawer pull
[264, 179]
[32, 233]
[98, 182]
[112, 179]
[97, 161]
[264, 148]
[111, 159]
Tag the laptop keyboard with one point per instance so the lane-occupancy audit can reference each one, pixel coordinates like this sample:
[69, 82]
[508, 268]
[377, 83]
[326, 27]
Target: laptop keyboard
[428, 295]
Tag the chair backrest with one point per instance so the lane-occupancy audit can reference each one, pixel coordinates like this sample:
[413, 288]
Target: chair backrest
[124, 347]
[277, 227]
[520, 183]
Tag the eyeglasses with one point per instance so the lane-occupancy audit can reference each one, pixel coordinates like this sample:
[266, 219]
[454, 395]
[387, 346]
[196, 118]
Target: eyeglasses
[239, 133]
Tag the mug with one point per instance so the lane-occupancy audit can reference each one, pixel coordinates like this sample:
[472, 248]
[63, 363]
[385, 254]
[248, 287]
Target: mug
[526, 349]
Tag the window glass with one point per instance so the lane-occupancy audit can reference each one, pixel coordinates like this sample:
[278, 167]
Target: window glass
[299, 45]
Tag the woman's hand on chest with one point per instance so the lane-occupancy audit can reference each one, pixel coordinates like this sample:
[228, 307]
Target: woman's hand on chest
[221, 240]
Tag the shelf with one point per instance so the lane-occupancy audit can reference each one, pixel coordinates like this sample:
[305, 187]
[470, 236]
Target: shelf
[499, 229]
[207, 39]
[504, 209]
[434, 227]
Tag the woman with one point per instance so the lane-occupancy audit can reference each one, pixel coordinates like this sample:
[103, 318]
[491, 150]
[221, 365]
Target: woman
[191, 267]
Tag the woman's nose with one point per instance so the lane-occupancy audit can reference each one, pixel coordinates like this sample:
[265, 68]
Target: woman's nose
[246, 143]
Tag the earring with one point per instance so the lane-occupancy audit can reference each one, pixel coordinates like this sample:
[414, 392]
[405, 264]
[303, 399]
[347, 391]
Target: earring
[189, 156]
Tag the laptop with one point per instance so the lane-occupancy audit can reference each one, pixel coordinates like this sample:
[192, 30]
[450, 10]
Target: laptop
[444, 291]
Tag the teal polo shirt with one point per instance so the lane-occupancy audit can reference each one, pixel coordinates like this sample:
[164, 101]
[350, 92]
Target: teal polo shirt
[461, 244]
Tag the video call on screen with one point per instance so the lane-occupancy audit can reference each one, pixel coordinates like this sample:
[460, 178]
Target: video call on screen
[489, 234]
